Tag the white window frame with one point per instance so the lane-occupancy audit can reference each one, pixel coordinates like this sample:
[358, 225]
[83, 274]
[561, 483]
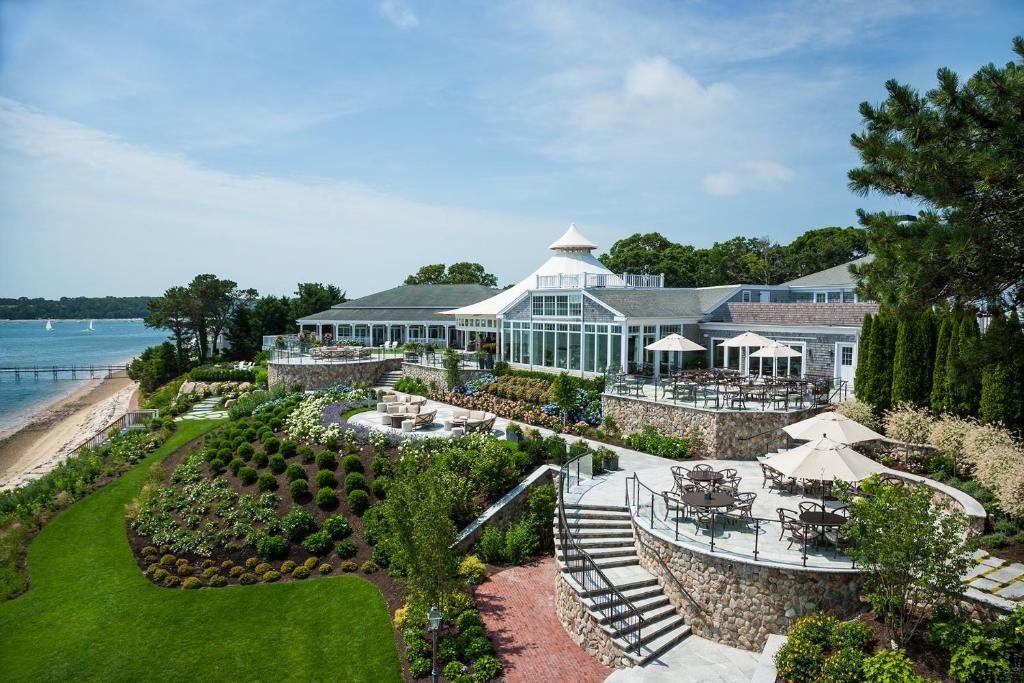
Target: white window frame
[824, 294]
[745, 296]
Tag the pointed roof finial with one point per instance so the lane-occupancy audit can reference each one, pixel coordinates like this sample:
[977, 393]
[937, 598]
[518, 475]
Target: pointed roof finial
[572, 240]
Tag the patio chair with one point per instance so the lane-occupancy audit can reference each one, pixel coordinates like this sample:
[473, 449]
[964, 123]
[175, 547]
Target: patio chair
[729, 473]
[742, 510]
[809, 506]
[480, 421]
[766, 475]
[701, 518]
[798, 531]
[729, 485]
[424, 419]
[701, 467]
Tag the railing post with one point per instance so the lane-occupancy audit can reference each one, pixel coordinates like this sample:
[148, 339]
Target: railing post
[652, 510]
[712, 530]
[677, 520]
[757, 535]
[805, 546]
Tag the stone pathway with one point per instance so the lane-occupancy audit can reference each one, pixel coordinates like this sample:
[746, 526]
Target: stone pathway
[518, 606]
[204, 410]
[996, 581]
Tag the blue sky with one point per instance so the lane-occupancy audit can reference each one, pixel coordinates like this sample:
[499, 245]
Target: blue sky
[351, 142]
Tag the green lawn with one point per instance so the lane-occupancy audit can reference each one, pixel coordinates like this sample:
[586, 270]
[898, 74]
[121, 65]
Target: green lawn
[90, 613]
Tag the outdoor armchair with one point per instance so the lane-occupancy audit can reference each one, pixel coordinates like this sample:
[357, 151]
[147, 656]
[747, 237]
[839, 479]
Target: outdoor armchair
[424, 419]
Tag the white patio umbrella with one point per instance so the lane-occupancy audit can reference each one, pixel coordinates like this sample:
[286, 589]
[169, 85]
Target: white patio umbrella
[824, 460]
[832, 425]
[672, 342]
[775, 351]
[746, 340]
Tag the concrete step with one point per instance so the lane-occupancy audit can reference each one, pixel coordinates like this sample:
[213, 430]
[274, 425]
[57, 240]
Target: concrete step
[605, 542]
[582, 533]
[652, 622]
[604, 563]
[599, 553]
[653, 610]
[663, 641]
[595, 508]
[636, 595]
[599, 524]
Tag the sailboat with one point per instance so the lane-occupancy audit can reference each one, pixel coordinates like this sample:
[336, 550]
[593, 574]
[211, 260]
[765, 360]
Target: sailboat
[49, 327]
[90, 328]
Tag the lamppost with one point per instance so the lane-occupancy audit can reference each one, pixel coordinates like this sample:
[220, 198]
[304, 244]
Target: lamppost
[434, 618]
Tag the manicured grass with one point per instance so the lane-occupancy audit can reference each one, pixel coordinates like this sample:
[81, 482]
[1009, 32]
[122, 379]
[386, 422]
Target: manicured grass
[90, 614]
[356, 411]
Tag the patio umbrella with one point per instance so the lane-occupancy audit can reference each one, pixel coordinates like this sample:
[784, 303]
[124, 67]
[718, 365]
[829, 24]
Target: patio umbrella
[775, 351]
[832, 425]
[746, 340]
[824, 460]
[672, 342]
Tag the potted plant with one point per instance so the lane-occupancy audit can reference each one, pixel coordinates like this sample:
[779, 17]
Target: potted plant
[481, 359]
[513, 432]
[609, 458]
[597, 458]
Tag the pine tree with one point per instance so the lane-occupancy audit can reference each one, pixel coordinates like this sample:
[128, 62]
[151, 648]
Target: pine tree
[926, 361]
[906, 363]
[880, 364]
[860, 376]
[938, 395]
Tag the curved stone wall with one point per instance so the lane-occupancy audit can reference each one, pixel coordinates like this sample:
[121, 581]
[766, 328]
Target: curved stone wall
[583, 628]
[325, 375]
[742, 603]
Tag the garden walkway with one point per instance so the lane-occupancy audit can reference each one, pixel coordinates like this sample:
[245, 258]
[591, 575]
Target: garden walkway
[204, 410]
[518, 606]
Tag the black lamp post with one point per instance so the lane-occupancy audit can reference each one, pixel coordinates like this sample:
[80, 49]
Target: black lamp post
[434, 618]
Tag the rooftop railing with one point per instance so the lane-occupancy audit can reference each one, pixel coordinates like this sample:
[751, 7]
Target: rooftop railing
[600, 280]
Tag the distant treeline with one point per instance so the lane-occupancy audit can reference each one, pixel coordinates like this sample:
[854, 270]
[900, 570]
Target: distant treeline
[24, 308]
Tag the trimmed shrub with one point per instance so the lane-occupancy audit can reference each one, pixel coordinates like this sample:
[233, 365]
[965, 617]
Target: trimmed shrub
[184, 570]
[299, 488]
[263, 567]
[298, 524]
[300, 572]
[171, 581]
[306, 453]
[310, 562]
[346, 549]
[478, 647]
[159, 574]
[487, 668]
[271, 445]
[317, 543]
[295, 471]
[472, 568]
[354, 481]
[272, 547]
[420, 667]
[245, 451]
[326, 479]
[351, 463]
[236, 571]
[349, 566]
[338, 527]
[381, 466]
[216, 465]
[260, 459]
[167, 559]
[150, 550]
[218, 581]
[469, 619]
[369, 567]
[267, 482]
[247, 475]
[235, 465]
[251, 562]
[276, 464]
[843, 666]
[327, 498]
[191, 583]
[271, 576]
[358, 500]
[226, 565]
[491, 546]
[325, 568]
[287, 566]
[381, 486]
[325, 460]
[288, 448]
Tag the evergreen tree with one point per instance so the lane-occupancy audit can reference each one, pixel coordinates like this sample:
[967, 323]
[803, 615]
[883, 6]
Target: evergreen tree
[860, 377]
[880, 364]
[926, 361]
[938, 395]
[1001, 400]
[905, 375]
[963, 386]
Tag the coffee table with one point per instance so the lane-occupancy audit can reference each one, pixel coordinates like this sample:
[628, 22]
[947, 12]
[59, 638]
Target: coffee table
[396, 420]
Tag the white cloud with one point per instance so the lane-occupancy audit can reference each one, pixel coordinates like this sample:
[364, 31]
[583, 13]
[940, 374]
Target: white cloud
[398, 14]
[113, 217]
[747, 176]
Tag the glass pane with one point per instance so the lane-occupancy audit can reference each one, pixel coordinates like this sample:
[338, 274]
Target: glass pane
[538, 348]
[549, 349]
[574, 351]
[602, 360]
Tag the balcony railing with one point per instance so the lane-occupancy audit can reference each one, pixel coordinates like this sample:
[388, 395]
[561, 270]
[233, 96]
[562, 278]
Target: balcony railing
[600, 280]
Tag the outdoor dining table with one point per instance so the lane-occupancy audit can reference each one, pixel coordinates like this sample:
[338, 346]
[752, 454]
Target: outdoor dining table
[821, 519]
[700, 499]
[705, 476]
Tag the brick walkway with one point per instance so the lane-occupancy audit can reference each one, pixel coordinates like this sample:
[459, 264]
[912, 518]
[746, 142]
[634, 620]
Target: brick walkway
[518, 606]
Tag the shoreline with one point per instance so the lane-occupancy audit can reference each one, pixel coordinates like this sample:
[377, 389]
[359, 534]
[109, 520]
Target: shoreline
[59, 427]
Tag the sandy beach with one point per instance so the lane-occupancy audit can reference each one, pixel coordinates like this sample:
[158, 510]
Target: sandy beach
[62, 426]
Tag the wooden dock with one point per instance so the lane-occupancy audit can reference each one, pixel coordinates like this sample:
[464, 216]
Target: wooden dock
[55, 372]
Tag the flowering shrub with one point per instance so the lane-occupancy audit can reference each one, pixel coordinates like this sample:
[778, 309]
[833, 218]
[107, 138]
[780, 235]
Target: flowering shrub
[307, 420]
[477, 385]
[908, 424]
[861, 412]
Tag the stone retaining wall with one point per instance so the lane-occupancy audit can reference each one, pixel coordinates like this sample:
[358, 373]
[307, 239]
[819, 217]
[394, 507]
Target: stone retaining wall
[325, 375]
[583, 628]
[741, 603]
[510, 509]
[726, 435]
[439, 376]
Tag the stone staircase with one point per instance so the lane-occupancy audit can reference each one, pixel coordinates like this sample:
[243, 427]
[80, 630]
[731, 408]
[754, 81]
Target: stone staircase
[605, 533]
[388, 379]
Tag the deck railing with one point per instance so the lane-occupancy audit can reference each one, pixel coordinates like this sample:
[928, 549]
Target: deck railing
[600, 280]
[129, 419]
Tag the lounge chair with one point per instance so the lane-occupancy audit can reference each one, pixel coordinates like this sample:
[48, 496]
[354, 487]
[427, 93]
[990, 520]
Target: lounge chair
[480, 421]
[424, 419]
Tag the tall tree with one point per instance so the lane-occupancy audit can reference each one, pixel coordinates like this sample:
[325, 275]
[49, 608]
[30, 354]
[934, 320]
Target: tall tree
[879, 387]
[860, 377]
[460, 273]
[925, 363]
[211, 300]
[171, 312]
[942, 341]
[963, 384]
[956, 150]
[1001, 397]
[824, 248]
[652, 254]
[313, 297]
[907, 356]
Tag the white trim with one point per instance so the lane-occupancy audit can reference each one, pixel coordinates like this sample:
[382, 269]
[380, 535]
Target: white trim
[708, 327]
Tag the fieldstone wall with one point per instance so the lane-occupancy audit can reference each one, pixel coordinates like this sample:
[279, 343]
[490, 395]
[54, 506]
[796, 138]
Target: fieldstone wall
[583, 628]
[325, 375]
[726, 435]
[740, 603]
[439, 376]
[507, 511]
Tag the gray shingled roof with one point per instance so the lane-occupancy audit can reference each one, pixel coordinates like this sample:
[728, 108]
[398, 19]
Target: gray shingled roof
[663, 303]
[837, 276]
[406, 302]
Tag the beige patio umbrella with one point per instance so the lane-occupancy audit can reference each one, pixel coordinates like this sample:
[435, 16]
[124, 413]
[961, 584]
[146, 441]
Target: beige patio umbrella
[832, 425]
[746, 340]
[775, 350]
[672, 342]
[824, 460]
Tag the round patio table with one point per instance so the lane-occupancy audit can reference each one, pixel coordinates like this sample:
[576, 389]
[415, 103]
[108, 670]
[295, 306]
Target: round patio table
[698, 499]
[396, 420]
[705, 476]
[820, 518]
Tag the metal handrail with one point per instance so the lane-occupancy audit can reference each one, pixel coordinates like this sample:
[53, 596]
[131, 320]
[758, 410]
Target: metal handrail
[669, 573]
[608, 599]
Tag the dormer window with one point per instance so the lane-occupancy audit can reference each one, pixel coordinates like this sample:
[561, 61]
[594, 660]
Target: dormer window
[745, 296]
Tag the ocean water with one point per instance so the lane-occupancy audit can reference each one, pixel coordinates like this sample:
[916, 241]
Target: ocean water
[27, 343]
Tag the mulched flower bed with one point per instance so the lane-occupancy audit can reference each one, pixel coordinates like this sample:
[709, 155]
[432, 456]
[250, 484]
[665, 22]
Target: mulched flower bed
[929, 660]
